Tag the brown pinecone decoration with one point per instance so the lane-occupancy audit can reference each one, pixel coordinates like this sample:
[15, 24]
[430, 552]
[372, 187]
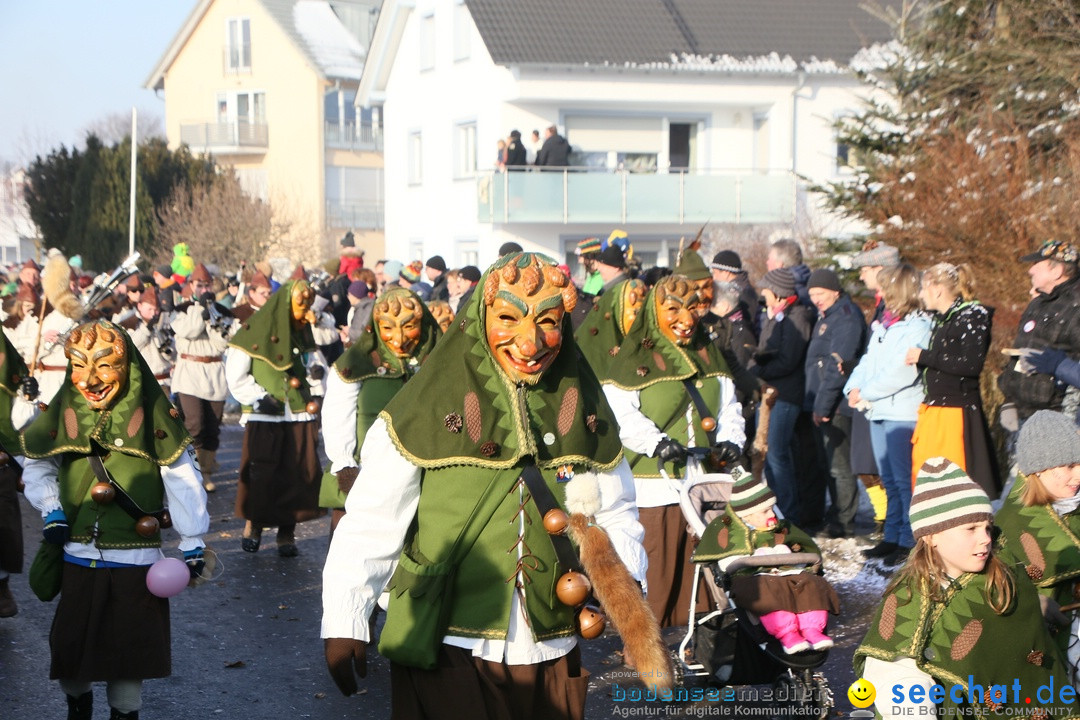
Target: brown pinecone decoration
[1034, 573]
[453, 422]
[642, 371]
[1035, 657]
[489, 449]
[590, 422]
[648, 343]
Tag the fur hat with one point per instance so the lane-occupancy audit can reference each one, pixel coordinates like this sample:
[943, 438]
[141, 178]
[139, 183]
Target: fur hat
[728, 261]
[824, 278]
[944, 498]
[1047, 440]
[749, 495]
[780, 281]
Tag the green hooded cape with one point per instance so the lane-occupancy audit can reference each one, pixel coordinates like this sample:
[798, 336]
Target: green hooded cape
[12, 372]
[599, 335]
[463, 409]
[278, 351]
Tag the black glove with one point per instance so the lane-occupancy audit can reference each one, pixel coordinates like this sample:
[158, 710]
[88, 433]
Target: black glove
[195, 562]
[344, 656]
[316, 372]
[269, 405]
[29, 388]
[56, 530]
[670, 450]
[1046, 361]
[727, 452]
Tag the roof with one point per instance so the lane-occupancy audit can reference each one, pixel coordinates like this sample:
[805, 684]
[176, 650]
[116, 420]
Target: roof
[674, 32]
[312, 25]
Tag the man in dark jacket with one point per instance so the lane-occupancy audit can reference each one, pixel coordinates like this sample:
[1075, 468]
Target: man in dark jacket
[1051, 320]
[515, 152]
[835, 344]
[435, 269]
[555, 152]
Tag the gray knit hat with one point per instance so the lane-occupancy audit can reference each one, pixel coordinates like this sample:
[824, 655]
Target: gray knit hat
[749, 496]
[875, 255]
[944, 498]
[780, 281]
[1047, 440]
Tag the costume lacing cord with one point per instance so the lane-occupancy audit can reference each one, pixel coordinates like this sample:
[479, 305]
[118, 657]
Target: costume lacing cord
[526, 560]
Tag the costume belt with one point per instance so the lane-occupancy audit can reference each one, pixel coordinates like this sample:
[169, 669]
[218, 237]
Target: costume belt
[58, 368]
[201, 358]
[162, 376]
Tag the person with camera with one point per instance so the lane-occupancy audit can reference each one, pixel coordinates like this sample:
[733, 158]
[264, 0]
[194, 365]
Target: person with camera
[152, 337]
[198, 379]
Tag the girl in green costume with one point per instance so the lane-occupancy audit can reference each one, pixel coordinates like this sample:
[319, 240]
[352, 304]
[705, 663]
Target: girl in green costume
[959, 630]
[1040, 525]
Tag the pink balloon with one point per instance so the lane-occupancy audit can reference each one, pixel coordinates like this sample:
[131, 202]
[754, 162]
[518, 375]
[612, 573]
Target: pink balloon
[167, 577]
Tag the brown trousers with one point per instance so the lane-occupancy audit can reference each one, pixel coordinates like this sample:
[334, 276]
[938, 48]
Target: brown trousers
[462, 686]
[279, 473]
[671, 574]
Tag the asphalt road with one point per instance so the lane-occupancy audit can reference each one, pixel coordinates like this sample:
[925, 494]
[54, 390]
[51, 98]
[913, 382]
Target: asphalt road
[247, 643]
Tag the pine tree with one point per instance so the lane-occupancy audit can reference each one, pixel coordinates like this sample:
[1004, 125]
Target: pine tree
[49, 189]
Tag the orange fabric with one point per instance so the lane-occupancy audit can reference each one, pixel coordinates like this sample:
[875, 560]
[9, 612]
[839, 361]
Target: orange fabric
[939, 432]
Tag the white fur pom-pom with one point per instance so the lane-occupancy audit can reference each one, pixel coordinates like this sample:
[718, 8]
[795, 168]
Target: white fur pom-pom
[583, 494]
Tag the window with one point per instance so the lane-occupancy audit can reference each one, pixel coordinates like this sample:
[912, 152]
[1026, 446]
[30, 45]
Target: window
[354, 197]
[416, 173]
[237, 44]
[427, 42]
[242, 107]
[462, 32]
[468, 252]
[465, 150]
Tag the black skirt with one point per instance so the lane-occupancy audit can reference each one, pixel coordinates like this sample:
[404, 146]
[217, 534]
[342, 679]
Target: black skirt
[108, 626]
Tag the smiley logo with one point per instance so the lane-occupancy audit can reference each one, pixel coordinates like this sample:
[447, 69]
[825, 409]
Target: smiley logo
[861, 693]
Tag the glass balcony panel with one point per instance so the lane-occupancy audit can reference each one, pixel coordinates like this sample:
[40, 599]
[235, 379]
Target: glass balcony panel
[710, 198]
[767, 198]
[532, 196]
[593, 197]
[652, 198]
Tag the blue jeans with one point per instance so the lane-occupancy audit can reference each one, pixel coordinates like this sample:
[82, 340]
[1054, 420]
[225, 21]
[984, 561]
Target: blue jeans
[891, 440]
[780, 460]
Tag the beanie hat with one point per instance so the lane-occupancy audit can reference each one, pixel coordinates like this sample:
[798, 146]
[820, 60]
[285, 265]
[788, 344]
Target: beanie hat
[588, 246]
[509, 247]
[749, 495]
[349, 240]
[874, 254]
[780, 281]
[470, 273]
[1047, 440]
[824, 278]
[435, 262]
[358, 289]
[612, 255]
[728, 261]
[411, 272]
[163, 270]
[945, 497]
[392, 269]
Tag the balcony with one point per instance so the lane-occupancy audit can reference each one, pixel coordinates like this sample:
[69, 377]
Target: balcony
[354, 215]
[224, 138]
[581, 195]
[351, 136]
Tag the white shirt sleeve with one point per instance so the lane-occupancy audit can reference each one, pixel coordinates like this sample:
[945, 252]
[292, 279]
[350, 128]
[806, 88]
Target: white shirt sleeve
[339, 421]
[637, 432]
[904, 674]
[618, 515]
[241, 382]
[368, 540]
[42, 488]
[186, 500]
[730, 424]
[323, 331]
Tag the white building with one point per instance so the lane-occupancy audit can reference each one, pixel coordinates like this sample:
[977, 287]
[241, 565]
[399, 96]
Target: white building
[679, 112]
[17, 230]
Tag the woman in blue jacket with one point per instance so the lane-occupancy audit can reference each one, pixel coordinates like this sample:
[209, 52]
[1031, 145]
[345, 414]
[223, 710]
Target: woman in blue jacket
[890, 392]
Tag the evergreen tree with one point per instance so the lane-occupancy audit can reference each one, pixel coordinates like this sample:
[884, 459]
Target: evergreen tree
[49, 192]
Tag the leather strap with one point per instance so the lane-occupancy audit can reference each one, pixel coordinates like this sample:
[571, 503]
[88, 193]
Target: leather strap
[702, 408]
[541, 495]
[201, 358]
[122, 498]
[55, 368]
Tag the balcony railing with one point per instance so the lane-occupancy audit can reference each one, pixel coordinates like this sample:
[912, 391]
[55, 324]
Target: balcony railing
[576, 195]
[225, 137]
[359, 216]
[351, 136]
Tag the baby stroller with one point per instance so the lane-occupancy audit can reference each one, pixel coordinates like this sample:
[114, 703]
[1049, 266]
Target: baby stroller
[728, 645]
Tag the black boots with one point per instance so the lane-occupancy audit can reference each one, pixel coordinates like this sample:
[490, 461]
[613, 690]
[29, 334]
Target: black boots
[117, 715]
[82, 707]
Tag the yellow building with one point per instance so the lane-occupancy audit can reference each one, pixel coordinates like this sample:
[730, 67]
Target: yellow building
[268, 87]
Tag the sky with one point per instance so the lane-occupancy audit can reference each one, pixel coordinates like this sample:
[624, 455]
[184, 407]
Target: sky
[71, 63]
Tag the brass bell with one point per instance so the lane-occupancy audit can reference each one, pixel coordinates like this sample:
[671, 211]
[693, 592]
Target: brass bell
[294, 383]
[591, 622]
[555, 521]
[102, 493]
[708, 424]
[312, 407]
[147, 526]
[573, 588]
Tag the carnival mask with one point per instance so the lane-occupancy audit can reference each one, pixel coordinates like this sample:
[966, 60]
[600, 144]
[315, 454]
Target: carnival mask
[99, 363]
[677, 301]
[303, 297]
[442, 313]
[705, 293]
[398, 320]
[525, 301]
[633, 297]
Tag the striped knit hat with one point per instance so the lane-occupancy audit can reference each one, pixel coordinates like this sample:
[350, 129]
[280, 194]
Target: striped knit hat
[749, 496]
[944, 498]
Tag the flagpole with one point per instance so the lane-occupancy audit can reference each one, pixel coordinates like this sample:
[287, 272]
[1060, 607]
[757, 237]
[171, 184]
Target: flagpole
[131, 214]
